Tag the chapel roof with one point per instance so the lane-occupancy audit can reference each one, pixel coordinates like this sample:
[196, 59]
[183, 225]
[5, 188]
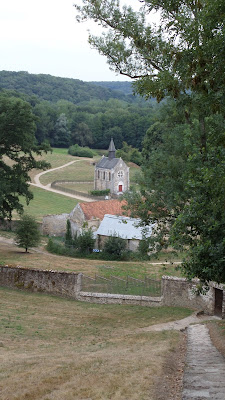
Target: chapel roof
[97, 209]
[107, 163]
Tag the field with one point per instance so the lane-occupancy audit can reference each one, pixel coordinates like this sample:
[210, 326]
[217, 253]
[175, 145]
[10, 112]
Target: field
[45, 203]
[40, 258]
[53, 348]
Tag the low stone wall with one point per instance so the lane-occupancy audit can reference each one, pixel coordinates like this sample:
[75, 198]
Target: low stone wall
[12, 225]
[56, 185]
[176, 292]
[66, 284]
[106, 298]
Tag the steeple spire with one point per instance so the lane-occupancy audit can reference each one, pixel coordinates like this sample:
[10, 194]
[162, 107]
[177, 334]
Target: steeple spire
[112, 150]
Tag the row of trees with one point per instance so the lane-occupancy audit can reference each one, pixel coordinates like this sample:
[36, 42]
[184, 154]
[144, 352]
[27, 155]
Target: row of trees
[92, 124]
[183, 174]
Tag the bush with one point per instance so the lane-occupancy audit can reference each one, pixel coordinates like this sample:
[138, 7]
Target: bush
[114, 246]
[85, 242]
[78, 151]
[100, 192]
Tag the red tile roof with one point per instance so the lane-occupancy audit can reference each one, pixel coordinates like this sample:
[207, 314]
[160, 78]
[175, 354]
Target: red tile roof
[97, 209]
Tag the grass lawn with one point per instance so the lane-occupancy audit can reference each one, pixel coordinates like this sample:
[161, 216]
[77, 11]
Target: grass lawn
[54, 348]
[45, 202]
[81, 170]
[40, 258]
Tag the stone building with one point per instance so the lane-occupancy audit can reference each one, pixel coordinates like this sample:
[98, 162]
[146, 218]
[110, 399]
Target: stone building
[83, 216]
[112, 173]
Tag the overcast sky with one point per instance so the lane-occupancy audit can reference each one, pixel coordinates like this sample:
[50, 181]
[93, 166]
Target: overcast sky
[43, 36]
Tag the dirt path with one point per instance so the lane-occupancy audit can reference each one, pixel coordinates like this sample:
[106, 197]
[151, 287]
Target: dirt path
[179, 325]
[38, 184]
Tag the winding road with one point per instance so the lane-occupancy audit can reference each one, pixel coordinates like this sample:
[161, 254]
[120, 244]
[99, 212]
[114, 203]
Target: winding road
[48, 187]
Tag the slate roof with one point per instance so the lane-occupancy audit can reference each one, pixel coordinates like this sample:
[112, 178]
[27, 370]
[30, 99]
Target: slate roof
[107, 163]
[124, 227]
[97, 209]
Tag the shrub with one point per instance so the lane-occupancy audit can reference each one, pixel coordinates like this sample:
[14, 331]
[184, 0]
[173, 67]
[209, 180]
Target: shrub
[78, 151]
[114, 246]
[85, 242]
[100, 192]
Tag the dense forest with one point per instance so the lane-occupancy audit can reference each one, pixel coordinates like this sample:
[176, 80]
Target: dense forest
[70, 111]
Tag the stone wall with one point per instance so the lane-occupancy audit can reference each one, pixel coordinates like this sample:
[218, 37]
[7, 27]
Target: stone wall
[176, 292]
[58, 283]
[106, 298]
[184, 293]
[54, 225]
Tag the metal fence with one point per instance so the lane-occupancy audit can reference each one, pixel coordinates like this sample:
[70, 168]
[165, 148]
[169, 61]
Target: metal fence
[115, 285]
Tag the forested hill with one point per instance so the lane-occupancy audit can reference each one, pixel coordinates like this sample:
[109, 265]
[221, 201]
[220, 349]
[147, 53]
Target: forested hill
[125, 87]
[53, 89]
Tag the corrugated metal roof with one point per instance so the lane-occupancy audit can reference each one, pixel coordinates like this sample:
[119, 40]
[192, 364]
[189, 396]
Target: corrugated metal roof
[124, 227]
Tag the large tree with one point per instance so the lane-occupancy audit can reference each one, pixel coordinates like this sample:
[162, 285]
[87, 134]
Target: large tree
[181, 57]
[18, 148]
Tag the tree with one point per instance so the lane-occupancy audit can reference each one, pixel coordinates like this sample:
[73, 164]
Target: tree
[17, 149]
[183, 164]
[27, 233]
[82, 135]
[62, 133]
[184, 52]
[68, 236]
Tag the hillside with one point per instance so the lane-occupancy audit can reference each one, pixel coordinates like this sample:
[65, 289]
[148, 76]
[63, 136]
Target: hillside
[53, 89]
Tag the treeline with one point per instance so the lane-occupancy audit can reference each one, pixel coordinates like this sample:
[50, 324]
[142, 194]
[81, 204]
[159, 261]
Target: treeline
[87, 122]
[53, 89]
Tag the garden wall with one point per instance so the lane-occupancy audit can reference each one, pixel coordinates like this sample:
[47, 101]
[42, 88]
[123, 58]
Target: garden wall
[107, 298]
[184, 293]
[178, 292]
[58, 283]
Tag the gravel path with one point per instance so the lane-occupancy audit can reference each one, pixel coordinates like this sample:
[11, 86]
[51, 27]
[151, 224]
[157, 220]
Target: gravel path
[204, 376]
[38, 184]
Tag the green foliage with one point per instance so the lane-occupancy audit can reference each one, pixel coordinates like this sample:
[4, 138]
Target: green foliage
[183, 156]
[62, 133]
[100, 192]
[85, 242]
[114, 247]
[18, 143]
[128, 153]
[68, 237]
[27, 233]
[78, 151]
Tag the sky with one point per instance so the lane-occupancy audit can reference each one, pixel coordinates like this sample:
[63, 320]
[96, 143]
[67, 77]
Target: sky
[43, 37]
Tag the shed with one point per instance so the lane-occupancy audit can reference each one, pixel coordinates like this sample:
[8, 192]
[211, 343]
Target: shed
[127, 228]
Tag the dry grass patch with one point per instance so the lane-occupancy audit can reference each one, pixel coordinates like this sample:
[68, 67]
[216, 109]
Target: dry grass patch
[39, 258]
[54, 348]
[217, 334]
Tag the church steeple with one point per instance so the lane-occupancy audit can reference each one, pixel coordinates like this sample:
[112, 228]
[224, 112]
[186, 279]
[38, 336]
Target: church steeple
[112, 150]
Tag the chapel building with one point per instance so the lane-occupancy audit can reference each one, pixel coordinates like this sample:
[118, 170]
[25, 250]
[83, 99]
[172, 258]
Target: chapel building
[112, 173]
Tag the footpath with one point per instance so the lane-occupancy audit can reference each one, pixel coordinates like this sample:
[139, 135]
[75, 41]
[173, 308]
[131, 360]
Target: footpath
[204, 375]
[38, 184]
